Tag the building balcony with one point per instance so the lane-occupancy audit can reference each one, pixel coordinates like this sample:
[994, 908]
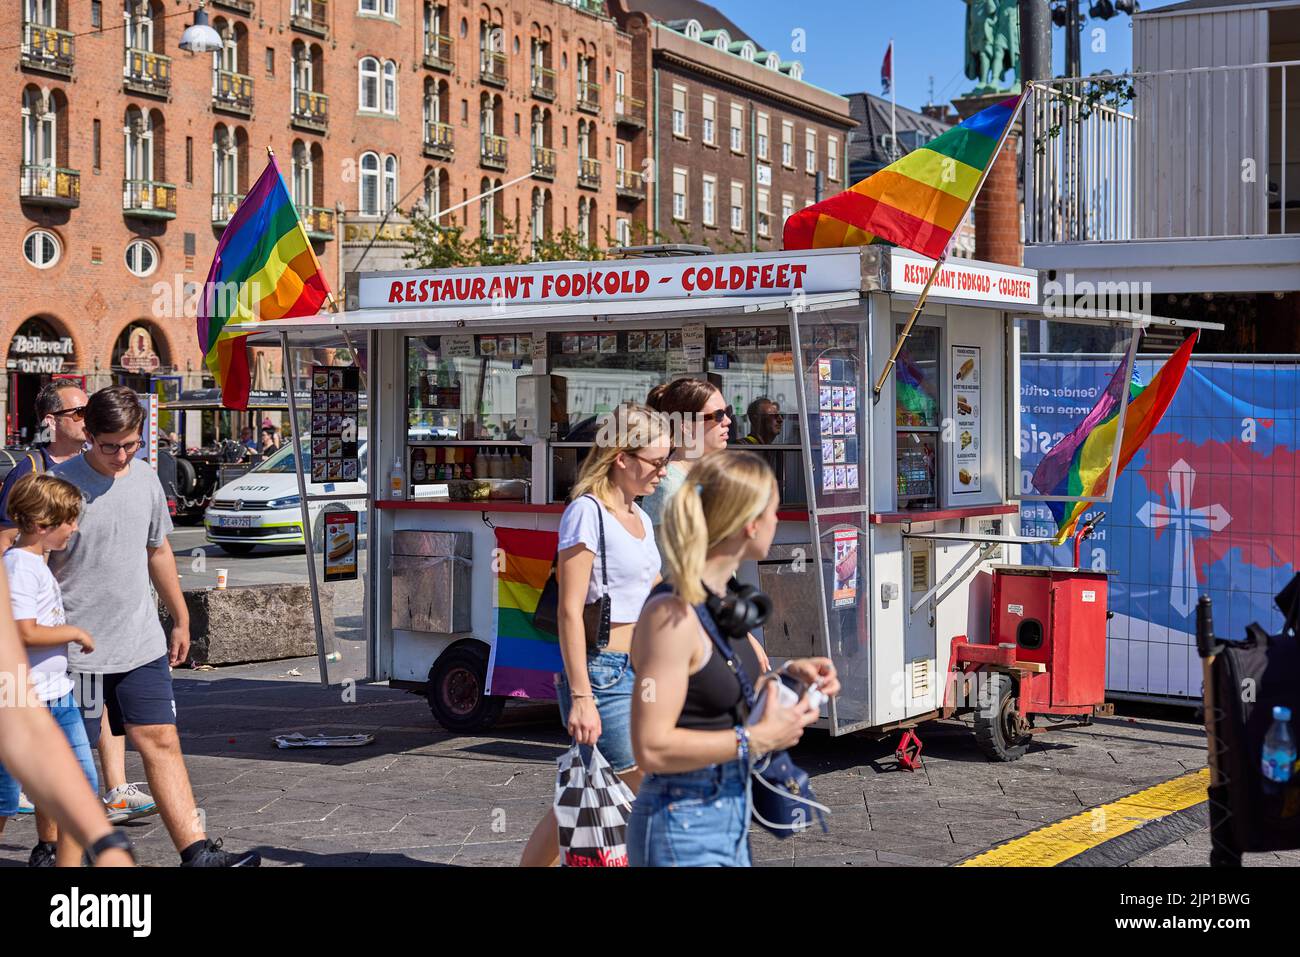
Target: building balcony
[630, 111]
[439, 140]
[1139, 178]
[148, 199]
[630, 184]
[47, 48]
[224, 206]
[588, 96]
[50, 186]
[147, 72]
[492, 68]
[543, 162]
[245, 7]
[310, 16]
[589, 173]
[543, 83]
[594, 7]
[492, 151]
[318, 221]
[438, 50]
[310, 111]
[232, 92]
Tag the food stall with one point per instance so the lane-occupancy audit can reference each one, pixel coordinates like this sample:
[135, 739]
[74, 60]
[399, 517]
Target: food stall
[484, 387]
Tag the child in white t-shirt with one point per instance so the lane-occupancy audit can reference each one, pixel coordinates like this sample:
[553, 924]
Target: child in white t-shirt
[45, 510]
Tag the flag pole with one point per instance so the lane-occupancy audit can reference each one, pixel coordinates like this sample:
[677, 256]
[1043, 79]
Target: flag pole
[893, 97]
[916, 311]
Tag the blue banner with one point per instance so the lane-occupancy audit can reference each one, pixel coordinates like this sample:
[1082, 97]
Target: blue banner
[1208, 506]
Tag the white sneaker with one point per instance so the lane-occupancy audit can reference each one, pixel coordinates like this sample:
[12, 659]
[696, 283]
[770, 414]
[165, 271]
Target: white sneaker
[25, 806]
[128, 802]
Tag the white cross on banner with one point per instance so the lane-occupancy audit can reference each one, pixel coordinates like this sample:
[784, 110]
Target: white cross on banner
[1184, 518]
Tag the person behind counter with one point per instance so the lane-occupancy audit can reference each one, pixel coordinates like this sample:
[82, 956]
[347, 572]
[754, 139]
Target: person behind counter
[764, 419]
[630, 455]
[690, 736]
[700, 420]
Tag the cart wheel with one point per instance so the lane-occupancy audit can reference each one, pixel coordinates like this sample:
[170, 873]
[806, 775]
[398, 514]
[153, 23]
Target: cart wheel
[237, 548]
[455, 691]
[997, 727]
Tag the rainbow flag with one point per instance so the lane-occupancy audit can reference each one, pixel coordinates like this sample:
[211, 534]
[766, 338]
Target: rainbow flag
[916, 202]
[264, 268]
[524, 660]
[1079, 465]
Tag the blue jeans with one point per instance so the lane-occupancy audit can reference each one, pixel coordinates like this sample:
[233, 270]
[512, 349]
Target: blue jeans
[67, 715]
[612, 684]
[692, 819]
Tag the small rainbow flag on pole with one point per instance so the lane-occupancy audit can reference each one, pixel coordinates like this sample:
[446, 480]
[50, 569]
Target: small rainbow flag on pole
[524, 660]
[917, 202]
[1079, 465]
[264, 268]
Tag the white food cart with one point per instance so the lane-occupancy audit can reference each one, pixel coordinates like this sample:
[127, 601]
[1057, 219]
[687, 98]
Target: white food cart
[483, 388]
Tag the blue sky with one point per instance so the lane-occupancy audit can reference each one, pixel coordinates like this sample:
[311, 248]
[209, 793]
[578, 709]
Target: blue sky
[846, 41]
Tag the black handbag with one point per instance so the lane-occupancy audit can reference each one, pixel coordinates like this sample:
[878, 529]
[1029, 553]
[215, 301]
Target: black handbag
[595, 615]
[783, 801]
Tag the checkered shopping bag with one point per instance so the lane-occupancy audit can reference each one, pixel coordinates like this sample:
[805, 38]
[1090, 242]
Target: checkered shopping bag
[592, 806]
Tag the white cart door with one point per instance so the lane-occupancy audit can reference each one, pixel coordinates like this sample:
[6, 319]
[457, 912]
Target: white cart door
[919, 650]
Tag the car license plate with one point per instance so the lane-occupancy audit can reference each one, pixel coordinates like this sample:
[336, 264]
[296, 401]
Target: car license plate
[236, 521]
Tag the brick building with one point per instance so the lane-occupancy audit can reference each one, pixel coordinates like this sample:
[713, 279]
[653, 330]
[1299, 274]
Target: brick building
[132, 154]
[737, 140]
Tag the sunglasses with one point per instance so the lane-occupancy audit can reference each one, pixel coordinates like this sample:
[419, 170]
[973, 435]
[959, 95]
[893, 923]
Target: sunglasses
[113, 448]
[722, 415]
[657, 464]
[77, 413]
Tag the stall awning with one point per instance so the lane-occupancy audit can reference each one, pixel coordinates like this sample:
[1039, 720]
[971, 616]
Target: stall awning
[327, 327]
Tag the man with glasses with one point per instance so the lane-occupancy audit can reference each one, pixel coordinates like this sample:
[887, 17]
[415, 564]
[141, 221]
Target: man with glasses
[60, 407]
[120, 547]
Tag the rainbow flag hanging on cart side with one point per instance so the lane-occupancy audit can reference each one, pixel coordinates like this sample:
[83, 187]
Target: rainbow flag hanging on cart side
[264, 268]
[524, 660]
[1080, 463]
[918, 201]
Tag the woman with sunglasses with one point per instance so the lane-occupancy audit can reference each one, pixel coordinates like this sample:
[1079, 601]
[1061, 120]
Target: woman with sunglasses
[701, 425]
[60, 409]
[631, 451]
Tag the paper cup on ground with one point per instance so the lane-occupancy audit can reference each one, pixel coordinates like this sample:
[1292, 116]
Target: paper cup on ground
[223, 574]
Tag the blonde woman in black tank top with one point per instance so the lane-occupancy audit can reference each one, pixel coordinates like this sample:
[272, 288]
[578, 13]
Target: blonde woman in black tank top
[688, 733]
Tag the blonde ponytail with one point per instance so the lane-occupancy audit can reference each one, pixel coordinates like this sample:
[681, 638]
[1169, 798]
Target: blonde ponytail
[723, 493]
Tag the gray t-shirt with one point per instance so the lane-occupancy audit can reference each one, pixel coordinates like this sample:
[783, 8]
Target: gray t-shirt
[104, 571]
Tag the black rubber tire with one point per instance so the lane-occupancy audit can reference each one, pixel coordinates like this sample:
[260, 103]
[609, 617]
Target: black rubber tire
[186, 477]
[993, 731]
[455, 690]
[237, 549]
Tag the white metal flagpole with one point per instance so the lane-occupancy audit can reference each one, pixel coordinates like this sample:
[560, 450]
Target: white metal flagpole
[893, 106]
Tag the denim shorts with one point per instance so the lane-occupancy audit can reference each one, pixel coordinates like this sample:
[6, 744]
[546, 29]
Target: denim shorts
[67, 715]
[693, 819]
[612, 684]
[142, 695]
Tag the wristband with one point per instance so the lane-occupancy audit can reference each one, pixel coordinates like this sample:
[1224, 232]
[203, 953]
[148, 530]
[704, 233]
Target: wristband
[113, 839]
[742, 744]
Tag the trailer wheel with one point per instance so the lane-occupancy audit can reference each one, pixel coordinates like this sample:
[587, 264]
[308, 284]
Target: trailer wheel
[456, 690]
[186, 478]
[997, 727]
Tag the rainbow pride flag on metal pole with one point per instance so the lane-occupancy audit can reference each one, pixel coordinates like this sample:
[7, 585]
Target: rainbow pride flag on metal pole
[917, 202]
[1085, 462]
[264, 268]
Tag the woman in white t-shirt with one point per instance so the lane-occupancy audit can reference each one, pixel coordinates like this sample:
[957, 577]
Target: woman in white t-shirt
[631, 452]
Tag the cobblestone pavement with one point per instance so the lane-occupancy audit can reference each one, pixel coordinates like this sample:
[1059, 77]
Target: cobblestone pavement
[421, 796]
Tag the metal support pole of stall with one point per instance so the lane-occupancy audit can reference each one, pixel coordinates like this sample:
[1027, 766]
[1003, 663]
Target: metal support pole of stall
[289, 381]
[1223, 850]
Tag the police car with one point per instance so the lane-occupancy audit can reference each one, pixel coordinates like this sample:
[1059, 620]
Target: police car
[263, 507]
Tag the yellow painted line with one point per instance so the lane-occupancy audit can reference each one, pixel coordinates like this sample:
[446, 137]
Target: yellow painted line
[1056, 843]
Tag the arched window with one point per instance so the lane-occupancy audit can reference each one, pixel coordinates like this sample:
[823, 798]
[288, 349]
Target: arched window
[368, 91]
[302, 175]
[225, 162]
[486, 211]
[40, 129]
[390, 87]
[138, 131]
[42, 12]
[584, 222]
[369, 184]
[694, 29]
[722, 40]
[390, 183]
[140, 26]
[302, 79]
[141, 257]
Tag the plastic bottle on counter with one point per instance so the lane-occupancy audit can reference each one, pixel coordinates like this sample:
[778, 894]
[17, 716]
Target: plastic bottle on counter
[467, 469]
[419, 467]
[518, 469]
[397, 481]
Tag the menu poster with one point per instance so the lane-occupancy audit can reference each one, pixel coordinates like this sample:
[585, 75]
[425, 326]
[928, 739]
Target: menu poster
[335, 394]
[457, 347]
[966, 419]
[340, 546]
[693, 340]
[680, 365]
[845, 592]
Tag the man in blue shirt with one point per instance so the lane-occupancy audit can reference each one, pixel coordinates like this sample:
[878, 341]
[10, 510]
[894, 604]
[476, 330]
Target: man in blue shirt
[60, 408]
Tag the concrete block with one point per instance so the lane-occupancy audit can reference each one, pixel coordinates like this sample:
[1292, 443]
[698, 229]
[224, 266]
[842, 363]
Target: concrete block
[251, 623]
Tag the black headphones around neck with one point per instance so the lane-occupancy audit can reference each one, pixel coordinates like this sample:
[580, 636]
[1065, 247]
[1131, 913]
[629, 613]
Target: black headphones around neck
[742, 609]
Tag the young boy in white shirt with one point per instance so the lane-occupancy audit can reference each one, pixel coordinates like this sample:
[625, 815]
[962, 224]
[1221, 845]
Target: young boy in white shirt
[45, 509]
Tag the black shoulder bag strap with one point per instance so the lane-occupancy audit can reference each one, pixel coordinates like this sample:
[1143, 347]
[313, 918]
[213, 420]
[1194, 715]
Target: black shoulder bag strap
[602, 629]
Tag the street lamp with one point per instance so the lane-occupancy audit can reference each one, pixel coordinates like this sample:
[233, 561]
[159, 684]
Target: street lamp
[199, 37]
